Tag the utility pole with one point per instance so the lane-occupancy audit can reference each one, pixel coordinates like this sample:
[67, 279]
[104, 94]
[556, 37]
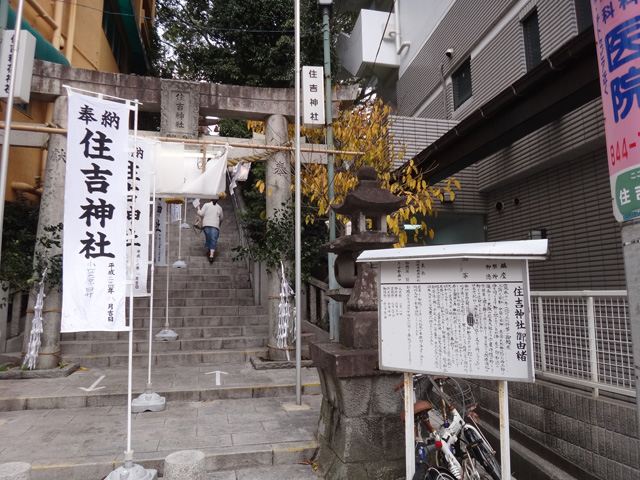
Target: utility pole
[334, 306]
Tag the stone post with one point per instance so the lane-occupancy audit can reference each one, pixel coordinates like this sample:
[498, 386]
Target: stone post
[278, 188]
[360, 432]
[51, 213]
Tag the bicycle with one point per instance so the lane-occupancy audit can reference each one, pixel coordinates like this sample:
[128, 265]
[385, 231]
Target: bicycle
[459, 450]
[472, 446]
[425, 448]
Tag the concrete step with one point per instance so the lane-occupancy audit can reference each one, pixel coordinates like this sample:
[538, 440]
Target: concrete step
[245, 422]
[212, 283]
[202, 321]
[211, 302]
[181, 277]
[167, 358]
[199, 311]
[197, 293]
[184, 332]
[185, 345]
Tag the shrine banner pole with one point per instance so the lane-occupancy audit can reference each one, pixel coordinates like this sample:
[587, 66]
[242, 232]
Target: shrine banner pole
[505, 449]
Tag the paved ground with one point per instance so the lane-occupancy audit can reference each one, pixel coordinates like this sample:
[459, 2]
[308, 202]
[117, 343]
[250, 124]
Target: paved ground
[246, 421]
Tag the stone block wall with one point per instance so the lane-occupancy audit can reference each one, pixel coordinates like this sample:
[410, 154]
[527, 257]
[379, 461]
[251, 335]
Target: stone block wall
[360, 428]
[597, 435]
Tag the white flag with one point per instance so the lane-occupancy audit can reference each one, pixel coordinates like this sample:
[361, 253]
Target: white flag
[160, 232]
[95, 216]
[141, 155]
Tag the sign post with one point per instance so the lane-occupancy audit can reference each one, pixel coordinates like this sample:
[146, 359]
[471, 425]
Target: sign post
[457, 310]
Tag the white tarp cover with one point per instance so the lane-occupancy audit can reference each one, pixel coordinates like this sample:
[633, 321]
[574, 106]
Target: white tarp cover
[179, 173]
[95, 220]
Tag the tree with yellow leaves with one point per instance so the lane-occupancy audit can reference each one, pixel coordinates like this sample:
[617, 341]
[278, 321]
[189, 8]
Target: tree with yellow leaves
[365, 128]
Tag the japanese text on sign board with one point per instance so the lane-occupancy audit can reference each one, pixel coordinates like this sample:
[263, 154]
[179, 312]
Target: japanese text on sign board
[313, 106]
[455, 317]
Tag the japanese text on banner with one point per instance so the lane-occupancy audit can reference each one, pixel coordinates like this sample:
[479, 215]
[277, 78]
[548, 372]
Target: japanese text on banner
[95, 215]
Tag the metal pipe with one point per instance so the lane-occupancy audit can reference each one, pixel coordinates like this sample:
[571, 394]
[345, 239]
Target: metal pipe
[399, 46]
[56, 39]
[71, 30]
[4, 157]
[42, 13]
[334, 306]
[298, 226]
[409, 427]
[63, 131]
[25, 187]
[505, 452]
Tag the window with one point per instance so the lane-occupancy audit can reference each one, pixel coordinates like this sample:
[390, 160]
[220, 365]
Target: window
[583, 15]
[462, 84]
[531, 32]
[113, 29]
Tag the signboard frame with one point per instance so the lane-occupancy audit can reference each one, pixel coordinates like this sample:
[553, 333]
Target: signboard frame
[401, 358]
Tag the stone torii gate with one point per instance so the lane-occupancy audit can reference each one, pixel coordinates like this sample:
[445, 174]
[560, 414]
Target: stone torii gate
[181, 103]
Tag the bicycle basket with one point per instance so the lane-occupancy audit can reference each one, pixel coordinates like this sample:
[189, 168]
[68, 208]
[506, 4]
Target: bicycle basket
[455, 391]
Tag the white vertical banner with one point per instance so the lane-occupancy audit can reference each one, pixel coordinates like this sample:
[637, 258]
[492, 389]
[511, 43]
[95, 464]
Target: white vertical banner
[141, 157]
[313, 96]
[160, 232]
[95, 219]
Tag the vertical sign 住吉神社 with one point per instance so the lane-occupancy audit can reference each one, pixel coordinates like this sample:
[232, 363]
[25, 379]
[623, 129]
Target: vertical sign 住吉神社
[95, 216]
[313, 106]
[617, 33]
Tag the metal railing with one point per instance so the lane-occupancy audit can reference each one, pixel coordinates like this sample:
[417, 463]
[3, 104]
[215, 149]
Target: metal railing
[584, 338]
[318, 302]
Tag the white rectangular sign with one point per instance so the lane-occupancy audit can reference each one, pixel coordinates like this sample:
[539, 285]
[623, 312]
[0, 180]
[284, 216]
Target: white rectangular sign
[24, 67]
[313, 106]
[95, 216]
[459, 317]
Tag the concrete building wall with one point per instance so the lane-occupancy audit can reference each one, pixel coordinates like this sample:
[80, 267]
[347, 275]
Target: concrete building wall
[559, 178]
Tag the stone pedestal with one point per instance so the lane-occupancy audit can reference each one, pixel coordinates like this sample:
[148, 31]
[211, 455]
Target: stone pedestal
[360, 432]
[15, 471]
[185, 465]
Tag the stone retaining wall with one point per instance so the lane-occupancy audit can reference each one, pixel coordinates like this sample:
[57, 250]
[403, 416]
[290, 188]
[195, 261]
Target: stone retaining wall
[596, 435]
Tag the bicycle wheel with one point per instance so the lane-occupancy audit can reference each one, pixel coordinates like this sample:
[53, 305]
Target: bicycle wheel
[483, 454]
[439, 474]
[422, 472]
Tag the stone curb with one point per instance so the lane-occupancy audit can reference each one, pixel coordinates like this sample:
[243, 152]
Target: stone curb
[17, 372]
[260, 364]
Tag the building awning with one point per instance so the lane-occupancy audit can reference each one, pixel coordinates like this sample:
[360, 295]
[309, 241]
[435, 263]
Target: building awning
[44, 50]
[563, 82]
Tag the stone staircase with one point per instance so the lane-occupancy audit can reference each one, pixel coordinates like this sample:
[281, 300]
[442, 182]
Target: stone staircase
[211, 308]
[244, 419]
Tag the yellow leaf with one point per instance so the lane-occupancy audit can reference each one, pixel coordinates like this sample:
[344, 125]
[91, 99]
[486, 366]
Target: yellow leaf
[269, 192]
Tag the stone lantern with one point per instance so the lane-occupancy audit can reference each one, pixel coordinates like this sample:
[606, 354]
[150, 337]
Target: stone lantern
[360, 432]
